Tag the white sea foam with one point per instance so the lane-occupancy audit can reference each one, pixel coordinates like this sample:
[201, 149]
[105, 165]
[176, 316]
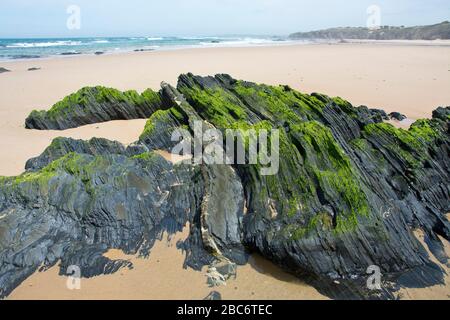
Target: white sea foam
[43, 44]
[242, 42]
[199, 38]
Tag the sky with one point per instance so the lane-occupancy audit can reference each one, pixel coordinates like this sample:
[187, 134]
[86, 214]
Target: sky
[48, 18]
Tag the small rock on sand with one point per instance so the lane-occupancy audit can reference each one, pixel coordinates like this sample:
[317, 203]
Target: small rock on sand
[397, 116]
[70, 53]
[34, 69]
[214, 295]
[4, 70]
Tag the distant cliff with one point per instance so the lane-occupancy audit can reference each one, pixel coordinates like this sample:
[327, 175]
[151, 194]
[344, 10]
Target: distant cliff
[431, 32]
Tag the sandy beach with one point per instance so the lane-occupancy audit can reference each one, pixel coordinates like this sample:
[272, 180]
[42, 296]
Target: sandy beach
[413, 80]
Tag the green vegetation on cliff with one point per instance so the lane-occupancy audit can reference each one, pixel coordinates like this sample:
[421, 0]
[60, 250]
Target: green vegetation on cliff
[429, 32]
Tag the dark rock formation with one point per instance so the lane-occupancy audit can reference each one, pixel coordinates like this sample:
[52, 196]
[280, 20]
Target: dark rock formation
[397, 116]
[70, 53]
[2, 70]
[442, 113]
[80, 205]
[24, 56]
[93, 105]
[33, 69]
[340, 172]
[214, 295]
[430, 32]
[349, 191]
[62, 146]
[223, 212]
[379, 114]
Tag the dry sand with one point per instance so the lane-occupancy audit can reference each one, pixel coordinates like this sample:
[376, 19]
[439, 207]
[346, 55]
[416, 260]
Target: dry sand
[413, 80]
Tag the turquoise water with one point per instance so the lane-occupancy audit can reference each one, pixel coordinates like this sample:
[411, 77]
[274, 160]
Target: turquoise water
[41, 48]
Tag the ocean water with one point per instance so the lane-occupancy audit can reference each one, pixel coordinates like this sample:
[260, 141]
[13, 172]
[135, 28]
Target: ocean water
[42, 48]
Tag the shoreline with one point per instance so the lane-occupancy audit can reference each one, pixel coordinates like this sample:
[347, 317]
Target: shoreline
[151, 48]
[285, 43]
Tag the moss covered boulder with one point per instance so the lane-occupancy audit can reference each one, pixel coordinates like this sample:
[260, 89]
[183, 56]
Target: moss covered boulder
[94, 105]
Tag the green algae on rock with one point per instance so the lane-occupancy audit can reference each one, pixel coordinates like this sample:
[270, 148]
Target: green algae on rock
[93, 105]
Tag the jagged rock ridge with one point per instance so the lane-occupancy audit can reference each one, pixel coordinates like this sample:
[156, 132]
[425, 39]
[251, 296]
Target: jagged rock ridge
[94, 105]
[349, 192]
